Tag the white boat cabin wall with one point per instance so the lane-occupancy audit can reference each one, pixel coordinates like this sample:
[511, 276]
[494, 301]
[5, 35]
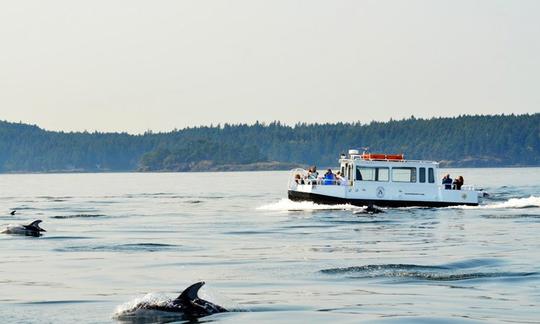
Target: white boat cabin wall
[382, 180]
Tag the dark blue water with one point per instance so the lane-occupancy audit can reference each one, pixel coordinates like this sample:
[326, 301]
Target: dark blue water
[113, 240]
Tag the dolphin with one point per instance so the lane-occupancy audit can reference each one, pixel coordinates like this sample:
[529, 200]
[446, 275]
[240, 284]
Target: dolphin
[373, 210]
[188, 304]
[12, 213]
[31, 229]
[370, 209]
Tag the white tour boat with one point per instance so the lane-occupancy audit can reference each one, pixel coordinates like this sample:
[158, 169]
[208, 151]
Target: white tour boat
[381, 180]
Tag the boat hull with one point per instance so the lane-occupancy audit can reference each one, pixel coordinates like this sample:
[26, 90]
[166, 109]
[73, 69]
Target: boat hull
[330, 200]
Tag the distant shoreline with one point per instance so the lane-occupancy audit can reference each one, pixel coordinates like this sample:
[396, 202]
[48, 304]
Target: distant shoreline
[459, 142]
[234, 170]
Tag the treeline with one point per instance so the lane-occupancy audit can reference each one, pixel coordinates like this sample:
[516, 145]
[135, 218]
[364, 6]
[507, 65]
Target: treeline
[501, 140]
[199, 155]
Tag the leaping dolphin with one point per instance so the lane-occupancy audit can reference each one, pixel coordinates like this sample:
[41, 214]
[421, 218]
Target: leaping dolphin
[188, 304]
[31, 229]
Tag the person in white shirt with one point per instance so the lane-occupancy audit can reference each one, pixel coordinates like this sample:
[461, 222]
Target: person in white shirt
[313, 175]
[342, 179]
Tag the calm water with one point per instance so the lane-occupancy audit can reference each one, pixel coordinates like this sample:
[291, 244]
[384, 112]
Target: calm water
[113, 238]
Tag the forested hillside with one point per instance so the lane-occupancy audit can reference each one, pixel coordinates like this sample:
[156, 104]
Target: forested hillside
[460, 141]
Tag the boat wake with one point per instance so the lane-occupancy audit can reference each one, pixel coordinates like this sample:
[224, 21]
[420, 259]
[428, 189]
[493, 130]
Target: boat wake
[512, 203]
[289, 205]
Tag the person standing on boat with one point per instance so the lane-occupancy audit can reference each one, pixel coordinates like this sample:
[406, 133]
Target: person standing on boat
[458, 182]
[342, 179]
[329, 177]
[447, 182]
[313, 174]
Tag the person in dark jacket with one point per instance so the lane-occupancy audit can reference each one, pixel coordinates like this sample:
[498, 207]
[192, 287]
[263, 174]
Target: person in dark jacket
[458, 182]
[447, 182]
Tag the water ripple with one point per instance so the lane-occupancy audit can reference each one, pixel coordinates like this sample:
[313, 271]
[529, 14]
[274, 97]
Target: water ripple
[420, 272]
[78, 216]
[130, 247]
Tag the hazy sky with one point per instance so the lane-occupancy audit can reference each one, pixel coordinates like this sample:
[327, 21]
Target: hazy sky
[137, 65]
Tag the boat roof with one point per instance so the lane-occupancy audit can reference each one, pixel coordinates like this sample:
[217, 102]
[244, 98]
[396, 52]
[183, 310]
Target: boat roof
[394, 160]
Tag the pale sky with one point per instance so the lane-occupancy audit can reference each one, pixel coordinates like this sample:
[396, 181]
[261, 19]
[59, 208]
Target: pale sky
[135, 65]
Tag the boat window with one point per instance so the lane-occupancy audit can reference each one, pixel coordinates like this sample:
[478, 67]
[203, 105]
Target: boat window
[365, 174]
[372, 174]
[422, 175]
[383, 174]
[431, 175]
[404, 174]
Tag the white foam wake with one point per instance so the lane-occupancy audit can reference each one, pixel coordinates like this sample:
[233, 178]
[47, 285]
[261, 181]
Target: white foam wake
[512, 203]
[529, 202]
[289, 205]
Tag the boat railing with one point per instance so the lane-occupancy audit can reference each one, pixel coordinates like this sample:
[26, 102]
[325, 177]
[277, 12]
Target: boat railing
[463, 188]
[293, 177]
[360, 157]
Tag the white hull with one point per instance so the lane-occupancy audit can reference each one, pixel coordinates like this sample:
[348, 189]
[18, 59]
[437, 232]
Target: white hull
[384, 196]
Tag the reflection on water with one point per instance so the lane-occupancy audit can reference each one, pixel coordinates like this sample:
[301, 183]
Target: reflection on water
[113, 240]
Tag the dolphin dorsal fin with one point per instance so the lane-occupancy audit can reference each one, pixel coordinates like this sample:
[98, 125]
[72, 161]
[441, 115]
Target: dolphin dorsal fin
[190, 293]
[34, 223]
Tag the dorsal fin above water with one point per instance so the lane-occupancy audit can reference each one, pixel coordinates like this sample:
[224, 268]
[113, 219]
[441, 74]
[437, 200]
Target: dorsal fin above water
[34, 226]
[35, 223]
[190, 293]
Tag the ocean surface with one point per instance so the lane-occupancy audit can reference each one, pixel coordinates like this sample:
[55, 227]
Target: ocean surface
[114, 239]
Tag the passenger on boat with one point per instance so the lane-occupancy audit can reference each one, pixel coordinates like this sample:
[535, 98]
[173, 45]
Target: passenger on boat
[447, 182]
[298, 179]
[312, 175]
[342, 179]
[458, 182]
[329, 178]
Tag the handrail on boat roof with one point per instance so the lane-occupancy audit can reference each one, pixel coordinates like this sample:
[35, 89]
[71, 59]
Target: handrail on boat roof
[360, 158]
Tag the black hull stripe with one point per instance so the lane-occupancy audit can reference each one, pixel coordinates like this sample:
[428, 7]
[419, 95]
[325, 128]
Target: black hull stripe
[329, 200]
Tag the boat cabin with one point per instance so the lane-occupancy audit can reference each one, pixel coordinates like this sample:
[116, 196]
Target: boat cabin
[386, 168]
